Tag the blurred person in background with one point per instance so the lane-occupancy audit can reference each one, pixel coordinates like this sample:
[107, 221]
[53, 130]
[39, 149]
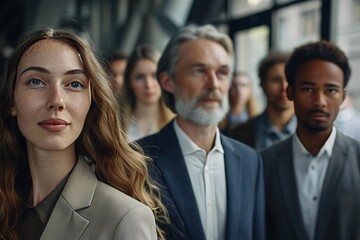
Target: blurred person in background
[144, 110]
[242, 102]
[348, 119]
[116, 66]
[277, 122]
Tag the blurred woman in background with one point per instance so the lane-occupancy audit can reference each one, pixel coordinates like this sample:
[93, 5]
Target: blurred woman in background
[144, 110]
[242, 102]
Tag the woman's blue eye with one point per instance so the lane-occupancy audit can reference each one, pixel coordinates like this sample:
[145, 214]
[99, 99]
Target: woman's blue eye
[75, 85]
[35, 82]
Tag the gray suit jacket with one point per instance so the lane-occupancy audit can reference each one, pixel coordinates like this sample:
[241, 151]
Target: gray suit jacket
[339, 208]
[89, 209]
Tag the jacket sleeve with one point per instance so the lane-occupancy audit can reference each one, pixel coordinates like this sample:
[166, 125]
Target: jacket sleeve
[138, 223]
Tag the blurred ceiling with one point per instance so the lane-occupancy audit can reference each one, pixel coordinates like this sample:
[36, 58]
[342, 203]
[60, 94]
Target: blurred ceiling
[112, 25]
[12, 20]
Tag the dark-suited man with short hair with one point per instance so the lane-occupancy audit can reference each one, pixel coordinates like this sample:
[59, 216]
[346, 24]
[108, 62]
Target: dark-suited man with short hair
[277, 122]
[211, 185]
[312, 179]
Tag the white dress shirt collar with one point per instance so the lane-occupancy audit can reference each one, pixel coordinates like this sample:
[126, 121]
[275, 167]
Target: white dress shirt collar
[187, 146]
[327, 147]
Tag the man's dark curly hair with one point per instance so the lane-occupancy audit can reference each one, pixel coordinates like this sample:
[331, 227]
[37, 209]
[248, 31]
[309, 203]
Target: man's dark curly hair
[321, 50]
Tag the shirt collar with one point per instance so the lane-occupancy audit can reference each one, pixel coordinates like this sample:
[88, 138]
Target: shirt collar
[45, 207]
[187, 146]
[289, 128]
[326, 148]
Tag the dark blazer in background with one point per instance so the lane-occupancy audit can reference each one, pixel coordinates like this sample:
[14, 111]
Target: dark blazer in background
[245, 132]
[90, 210]
[339, 208]
[245, 190]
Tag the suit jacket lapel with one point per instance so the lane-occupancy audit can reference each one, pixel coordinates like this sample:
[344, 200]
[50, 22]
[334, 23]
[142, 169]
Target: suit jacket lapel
[172, 165]
[233, 170]
[286, 170]
[65, 222]
[331, 184]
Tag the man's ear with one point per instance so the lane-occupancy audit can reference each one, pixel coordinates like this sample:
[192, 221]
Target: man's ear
[167, 82]
[344, 95]
[289, 92]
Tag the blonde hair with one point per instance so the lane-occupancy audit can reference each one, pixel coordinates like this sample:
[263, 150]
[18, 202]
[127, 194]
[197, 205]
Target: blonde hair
[129, 100]
[251, 105]
[118, 164]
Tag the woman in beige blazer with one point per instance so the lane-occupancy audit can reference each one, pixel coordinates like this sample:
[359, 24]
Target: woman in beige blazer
[67, 171]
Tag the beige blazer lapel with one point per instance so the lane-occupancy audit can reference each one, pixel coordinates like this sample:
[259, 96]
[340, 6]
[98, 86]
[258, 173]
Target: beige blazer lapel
[65, 222]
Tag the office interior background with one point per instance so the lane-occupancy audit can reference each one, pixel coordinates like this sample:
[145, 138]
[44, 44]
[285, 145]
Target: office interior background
[255, 26]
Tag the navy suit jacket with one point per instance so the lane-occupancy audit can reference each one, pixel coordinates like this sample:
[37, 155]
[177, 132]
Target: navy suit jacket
[338, 215]
[245, 188]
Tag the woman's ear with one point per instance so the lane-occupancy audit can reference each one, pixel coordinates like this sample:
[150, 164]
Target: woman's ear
[289, 92]
[167, 82]
[13, 111]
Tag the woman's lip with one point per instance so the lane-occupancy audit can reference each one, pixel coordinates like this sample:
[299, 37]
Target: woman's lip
[149, 94]
[54, 121]
[53, 124]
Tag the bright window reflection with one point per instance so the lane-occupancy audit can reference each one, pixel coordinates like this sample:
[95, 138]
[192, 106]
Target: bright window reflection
[347, 36]
[239, 8]
[250, 47]
[296, 25]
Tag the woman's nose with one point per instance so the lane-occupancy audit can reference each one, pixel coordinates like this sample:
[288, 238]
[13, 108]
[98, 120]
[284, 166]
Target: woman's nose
[55, 100]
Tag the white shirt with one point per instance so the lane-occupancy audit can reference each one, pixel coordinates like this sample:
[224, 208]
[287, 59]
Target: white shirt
[134, 133]
[348, 122]
[207, 175]
[310, 173]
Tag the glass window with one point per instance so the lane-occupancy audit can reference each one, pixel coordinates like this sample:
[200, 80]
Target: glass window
[250, 47]
[284, 1]
[296, 25]
[347, 36]
[238, 8]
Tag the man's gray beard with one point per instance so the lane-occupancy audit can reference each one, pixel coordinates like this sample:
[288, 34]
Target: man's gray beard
[200, 115]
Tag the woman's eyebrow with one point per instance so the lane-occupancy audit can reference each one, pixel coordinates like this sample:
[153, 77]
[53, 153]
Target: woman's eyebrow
[75, 71]
[44, 70]
[36, 69]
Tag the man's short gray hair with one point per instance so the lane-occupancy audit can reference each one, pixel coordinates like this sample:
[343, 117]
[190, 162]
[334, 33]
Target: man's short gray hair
[171, 54]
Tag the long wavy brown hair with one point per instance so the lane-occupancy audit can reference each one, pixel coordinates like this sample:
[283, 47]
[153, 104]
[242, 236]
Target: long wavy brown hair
[102, 140]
